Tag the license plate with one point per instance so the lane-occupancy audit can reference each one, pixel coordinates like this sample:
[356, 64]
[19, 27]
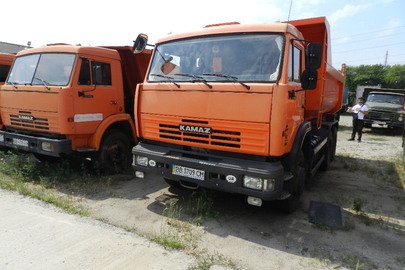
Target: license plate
[380, 123]
[20, 142]
[188, 172]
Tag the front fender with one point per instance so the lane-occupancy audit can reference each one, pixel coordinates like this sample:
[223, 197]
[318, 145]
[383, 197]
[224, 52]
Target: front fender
[290, 160]
[95, 140]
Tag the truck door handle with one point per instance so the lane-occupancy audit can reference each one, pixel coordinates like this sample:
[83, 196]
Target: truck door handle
[113, 102]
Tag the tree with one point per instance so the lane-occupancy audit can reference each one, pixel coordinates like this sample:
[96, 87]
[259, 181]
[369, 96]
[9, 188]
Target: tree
[386, 76]
[364, 75]
[394, 77]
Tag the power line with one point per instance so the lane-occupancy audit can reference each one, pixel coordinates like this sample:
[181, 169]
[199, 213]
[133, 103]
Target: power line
[356, 41]
[360, 49]
[370, 32]
[371, 58]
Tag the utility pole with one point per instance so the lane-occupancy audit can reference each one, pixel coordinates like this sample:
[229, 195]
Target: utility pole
[386, 58]
[289, 12]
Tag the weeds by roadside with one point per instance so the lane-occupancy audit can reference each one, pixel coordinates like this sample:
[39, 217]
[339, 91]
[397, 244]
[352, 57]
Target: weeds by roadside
[198, 207]
[25, 175]
[392, 172]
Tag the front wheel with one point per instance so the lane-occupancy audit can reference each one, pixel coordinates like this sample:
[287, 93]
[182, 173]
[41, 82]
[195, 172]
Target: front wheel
[114, 155]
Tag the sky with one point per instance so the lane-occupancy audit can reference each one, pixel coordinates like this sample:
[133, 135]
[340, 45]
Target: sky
[363, 32]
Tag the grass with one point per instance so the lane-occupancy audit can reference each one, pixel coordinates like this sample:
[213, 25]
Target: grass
[27, 176]
[198, 207]
[392, 172]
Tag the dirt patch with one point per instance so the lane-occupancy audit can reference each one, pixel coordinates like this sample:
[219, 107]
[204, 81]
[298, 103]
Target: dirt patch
[247, 237]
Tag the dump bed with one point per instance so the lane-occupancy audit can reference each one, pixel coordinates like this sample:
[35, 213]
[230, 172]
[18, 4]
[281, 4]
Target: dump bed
[5, 62]
[134, 68]
[327, 97]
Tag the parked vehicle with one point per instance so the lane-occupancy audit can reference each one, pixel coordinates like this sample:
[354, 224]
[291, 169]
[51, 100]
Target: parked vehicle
[247, 109]
[62, 99]
[386, 108]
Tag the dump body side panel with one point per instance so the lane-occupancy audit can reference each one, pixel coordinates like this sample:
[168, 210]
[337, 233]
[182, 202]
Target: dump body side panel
[327, 97]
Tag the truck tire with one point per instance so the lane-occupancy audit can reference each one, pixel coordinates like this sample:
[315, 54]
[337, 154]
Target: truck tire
[114, 155]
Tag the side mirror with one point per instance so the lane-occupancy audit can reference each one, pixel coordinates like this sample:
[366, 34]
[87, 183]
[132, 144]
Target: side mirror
[309, 78]
[313, 56]
[140, 43]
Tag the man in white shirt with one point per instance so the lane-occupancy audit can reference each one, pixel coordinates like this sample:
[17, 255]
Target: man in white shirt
[359, 111]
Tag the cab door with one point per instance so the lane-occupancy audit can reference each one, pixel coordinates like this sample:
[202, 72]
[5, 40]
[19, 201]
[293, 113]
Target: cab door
[97, 94]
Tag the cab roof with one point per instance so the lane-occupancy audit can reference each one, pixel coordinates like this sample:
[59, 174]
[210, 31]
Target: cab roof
[96, 51]
[234, 28]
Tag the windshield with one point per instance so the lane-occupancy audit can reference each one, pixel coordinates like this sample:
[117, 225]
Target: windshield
[241, 57]
[42, 69]
[380, 98]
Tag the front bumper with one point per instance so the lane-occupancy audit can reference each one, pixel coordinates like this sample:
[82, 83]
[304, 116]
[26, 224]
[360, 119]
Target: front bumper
[57, 147]
[219, 172]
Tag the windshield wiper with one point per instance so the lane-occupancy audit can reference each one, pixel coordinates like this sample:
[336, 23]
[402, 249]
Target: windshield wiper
[196, 78]
[45, 83]
[13, 84]
[229, 77]
[167, 77]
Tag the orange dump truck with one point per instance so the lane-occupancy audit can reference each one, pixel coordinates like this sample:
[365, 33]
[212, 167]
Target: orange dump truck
[5, 63]
[246, 109]
[62, 99]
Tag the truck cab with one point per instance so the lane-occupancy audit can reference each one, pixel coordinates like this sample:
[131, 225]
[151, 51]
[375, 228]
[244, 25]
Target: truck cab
[61, 99]
[385, 109]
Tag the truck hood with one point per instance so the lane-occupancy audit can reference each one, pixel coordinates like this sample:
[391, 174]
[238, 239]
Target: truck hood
[383, 106]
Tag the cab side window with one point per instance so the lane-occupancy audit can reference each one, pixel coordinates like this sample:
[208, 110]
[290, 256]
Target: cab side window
[84, 76]
[294, 64]
[101, 73]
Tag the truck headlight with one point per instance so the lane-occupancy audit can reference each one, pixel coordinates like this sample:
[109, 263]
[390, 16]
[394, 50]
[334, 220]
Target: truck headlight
[47, 146]
[253, 182]
[1, 138]
[258, 183]
[141, 161]
[400, 118]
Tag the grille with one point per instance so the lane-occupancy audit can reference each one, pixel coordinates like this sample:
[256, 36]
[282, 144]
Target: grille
[244, 137]
[24, 120]
[217, 137]
[381, 115]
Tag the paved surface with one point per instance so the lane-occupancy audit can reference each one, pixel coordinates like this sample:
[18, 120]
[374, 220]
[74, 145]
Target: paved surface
[34, 235]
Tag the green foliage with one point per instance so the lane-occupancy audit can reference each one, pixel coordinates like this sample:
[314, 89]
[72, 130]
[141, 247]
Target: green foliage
[199, 205]
[387, 76]
[358, 205]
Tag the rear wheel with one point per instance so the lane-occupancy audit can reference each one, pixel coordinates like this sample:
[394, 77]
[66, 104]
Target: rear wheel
[114, 155]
